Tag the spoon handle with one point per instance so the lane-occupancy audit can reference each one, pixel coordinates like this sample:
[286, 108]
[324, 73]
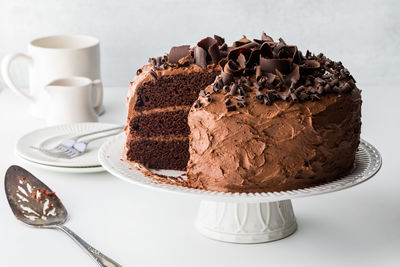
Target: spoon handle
[99, 257]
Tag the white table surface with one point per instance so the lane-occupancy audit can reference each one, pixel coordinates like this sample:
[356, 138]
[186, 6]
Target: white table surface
[136, 226]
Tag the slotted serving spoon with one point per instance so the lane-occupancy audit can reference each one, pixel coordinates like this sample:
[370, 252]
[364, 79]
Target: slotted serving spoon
[35, 204]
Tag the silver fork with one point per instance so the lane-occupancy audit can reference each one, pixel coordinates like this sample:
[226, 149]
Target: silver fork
[66, 150]
[80, 147]
[68, 143]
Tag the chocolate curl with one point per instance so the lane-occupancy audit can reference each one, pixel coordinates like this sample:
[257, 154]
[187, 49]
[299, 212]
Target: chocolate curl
[232, 67]
[177, 52]
[214, 53]
[279, 46]
[280, 76]
[269, 65]
[242, 61]
[310, 64]
[249, 45]
[223, 47]
[222, 63]
[287, 52]
[292, 78]
[271, 78]
[266, 50]
[253, 58]
[227, 78]
[284, 94]
[211, 46]
[234, 53]
[219, 39]
[258, 73]
[241, 42]
[200, 56]
[266, 38]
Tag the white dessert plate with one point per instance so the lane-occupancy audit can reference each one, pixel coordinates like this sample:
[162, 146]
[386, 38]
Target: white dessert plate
[64, 169]
[111, 154]
[51, 136]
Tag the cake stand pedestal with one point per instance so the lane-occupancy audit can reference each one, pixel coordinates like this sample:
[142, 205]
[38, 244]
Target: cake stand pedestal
[242, 217]
[246, 222]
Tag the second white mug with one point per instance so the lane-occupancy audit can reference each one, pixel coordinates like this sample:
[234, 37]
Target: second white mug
[71, 100]
[51, 58]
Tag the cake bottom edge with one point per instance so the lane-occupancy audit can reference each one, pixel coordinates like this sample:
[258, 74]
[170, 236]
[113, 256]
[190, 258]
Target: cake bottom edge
[159, 154]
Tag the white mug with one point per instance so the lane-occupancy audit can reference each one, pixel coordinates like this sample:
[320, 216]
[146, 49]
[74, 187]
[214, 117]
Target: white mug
[71, 100]
[51, 58]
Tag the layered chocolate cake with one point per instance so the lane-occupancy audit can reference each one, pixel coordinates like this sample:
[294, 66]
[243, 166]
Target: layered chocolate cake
[269, 119]
[159, 100]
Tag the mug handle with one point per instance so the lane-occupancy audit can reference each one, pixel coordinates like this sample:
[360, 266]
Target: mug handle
[98, 86]
[5, 70]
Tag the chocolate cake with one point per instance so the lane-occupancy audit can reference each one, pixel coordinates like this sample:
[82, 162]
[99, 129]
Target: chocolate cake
[257, 116]
[159, 100]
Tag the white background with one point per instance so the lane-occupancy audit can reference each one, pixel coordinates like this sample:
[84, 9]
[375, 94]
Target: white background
[363, 34]
[140, 227]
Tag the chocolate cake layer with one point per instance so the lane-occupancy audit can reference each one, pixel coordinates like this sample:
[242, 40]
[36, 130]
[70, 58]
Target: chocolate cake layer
[159, 154]
[160, 123]
[172, 90]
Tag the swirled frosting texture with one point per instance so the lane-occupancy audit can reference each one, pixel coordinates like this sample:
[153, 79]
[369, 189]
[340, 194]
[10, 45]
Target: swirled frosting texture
[284, 146]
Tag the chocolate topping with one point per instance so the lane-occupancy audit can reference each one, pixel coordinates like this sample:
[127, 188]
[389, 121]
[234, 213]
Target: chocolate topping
[227, 78]
[211, 46]
[178, 52]
[200, 57]
[282, 69]
[270, 65]
[219, 39]
[266, 38]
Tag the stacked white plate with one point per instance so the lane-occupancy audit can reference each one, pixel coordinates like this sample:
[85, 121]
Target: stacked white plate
[49, 137]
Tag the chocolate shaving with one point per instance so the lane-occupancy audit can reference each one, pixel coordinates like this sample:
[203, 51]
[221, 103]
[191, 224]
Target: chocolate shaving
[220, 40]
[211, 46]
[292, 78]
[234, 53]
[234, 89]
[253, 58]
[200, 57]
[241, 104]
[279, 46]
[241, 42]
[293, 97]
[153, 74]
[258, 73]
[242, 61]
[242, 92]
[270, 65]
[177, 52]
[266, 38]
[284, 95]
[232, 67]
[231, 108]
[310, 64]
[223, 47]
[266, 50]
[197, 104]
[287, 52]
[227, 78]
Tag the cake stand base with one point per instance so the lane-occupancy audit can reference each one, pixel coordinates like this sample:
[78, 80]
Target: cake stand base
[246, 222]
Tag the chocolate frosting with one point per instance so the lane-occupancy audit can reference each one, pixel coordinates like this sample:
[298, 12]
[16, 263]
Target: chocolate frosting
[281, 121]
[260, 148]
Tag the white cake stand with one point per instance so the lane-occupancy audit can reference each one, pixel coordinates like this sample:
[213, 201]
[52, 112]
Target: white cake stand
[241, 217]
